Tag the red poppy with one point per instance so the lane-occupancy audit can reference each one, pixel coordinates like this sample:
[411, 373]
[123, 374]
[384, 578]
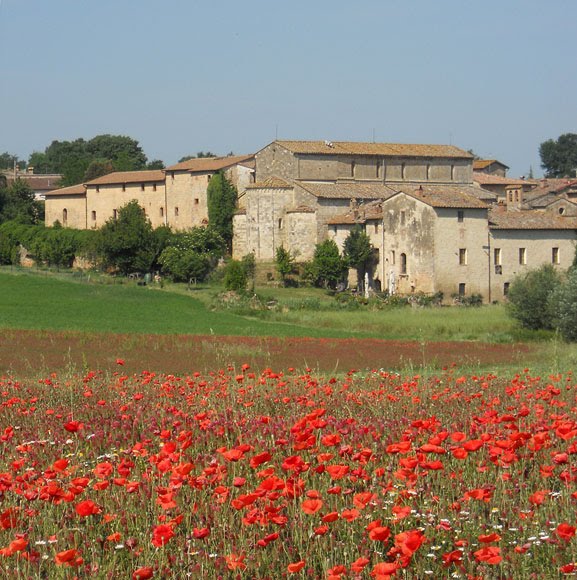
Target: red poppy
[489, 555]
[87, 508]
[311, 506]
[73, 426]
[161, 534]
[235, 562]
[143, 573]
[200, 533]
[565, 531]
[296, 567]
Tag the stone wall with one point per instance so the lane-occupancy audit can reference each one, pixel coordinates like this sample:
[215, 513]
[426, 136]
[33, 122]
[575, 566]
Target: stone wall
[69, 210]
[538, 248]
[102, 201]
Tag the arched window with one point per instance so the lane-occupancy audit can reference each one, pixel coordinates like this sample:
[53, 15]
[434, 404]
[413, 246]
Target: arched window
[64, 216]
[403, 263]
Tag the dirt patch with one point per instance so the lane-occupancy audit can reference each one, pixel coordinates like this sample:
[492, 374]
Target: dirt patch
[24, 351]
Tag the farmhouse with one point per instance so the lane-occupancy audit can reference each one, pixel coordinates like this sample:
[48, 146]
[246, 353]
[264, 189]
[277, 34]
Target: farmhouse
[175, 196]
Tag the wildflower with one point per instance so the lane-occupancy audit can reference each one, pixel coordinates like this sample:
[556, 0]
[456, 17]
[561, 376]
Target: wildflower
[295, 567]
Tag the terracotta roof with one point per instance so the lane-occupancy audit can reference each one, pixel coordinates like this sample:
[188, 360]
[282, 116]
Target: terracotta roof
[37, 182]
[301, 209]
[270, 183]
[368, 211]
[209, 163]
[530, 220]
[484, 163]
[129, 177]
[491, 179]
[348, 190]
[544, 186]
[450, 196]
[376, 149]
[71, 190]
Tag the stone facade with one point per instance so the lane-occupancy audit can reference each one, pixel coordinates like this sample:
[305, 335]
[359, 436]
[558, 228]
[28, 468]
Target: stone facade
[175, 197]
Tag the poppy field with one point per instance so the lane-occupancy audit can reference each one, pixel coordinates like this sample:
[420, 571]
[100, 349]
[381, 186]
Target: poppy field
[239, 473]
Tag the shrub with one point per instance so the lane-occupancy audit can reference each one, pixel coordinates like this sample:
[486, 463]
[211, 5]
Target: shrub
[530, 298]
[284, 263]
[328, 266]
[564, 304]
[235, 277]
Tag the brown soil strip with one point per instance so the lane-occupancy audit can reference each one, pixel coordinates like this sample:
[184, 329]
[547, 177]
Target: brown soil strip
[28, 352]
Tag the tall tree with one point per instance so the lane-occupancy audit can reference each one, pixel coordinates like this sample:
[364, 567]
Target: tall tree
[17, 203]
[221, 200]
[559, 158]
[7, 160]
[358, 253]
[127, 242]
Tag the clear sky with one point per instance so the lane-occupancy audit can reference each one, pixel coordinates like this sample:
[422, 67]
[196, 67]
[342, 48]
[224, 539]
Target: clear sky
[180, 76]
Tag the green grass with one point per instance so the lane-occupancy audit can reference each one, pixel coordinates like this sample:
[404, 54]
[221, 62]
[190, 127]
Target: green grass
[32, 300]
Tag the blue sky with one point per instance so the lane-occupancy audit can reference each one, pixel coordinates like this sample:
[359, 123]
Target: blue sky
[180, 76]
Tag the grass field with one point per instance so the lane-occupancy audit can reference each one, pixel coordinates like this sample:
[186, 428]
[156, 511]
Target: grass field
[32, 301]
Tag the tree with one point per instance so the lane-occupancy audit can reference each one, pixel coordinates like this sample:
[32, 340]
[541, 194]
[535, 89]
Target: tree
[127, 242]
[221, 200]
[559, 158]
[98, 168]
[7, 160]
[235, 276]
[328, 265]
[358, 253]
[17, 203]
[284, 264]
[564, 301]
[530, 298]
[155, 164]
[192, 254]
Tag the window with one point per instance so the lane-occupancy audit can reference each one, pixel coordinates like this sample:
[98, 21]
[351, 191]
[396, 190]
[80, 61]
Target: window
[376, 228]
[462, 289]
[352, 168]
[98, 189]
[555, 255]
[462, 256]
[403, 263]
[93, 216]
[497, 256]
[142, 187]
[393, 257]
[403, 170]
[279, 223]
[208, 177]
[428, 171]
[403, 217]
[196, 201]
[505, 288]
[378, 169]
[176, 212]
[452, 173]
[172, 175]
[115, 214]
[522, 256]
[64, 216]
[460, 216]
[561, 210]
[124, 187]
[161, 212]
[154, 187]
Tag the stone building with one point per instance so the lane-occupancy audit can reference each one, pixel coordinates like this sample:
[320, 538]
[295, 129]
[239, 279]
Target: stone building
[175, 196]
[434, 228]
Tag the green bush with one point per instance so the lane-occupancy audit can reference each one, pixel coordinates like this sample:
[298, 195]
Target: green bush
[564, 304]
[530, 298]
[235, 277]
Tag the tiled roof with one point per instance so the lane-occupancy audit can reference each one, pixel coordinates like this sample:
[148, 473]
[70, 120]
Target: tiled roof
[449, 196]
[71, 190]
[348, 190]
[491, 179]
[372, 210]
[380, 149]
[210, 163]
[544, 186]
[301, 209]
[530, 220]
[129, 177]
[37, 182]
[484, 163]
[270, 183]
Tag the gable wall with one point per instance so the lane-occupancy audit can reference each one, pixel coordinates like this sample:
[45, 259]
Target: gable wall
[75, 206]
